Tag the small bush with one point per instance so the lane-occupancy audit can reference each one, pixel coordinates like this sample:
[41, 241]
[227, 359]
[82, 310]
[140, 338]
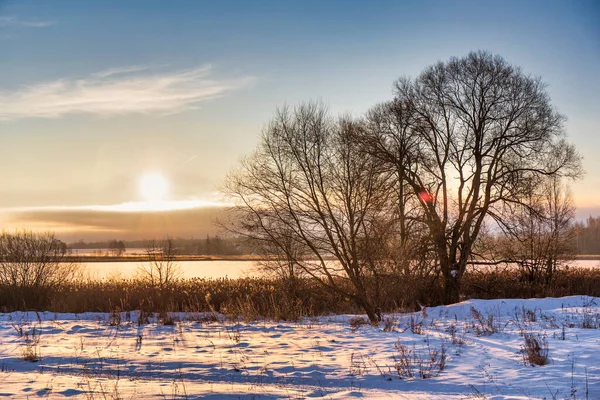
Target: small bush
[528, 315]
[410, 363]
[590, 320]
[416, 326]
[31, 348]
[457, 340]
[535, 349]
[485, 325]
[357, 322]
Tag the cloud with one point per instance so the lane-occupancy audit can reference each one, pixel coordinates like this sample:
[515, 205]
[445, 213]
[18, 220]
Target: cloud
[118, 71]
[97, 224]
[117, 91]
[14, 21]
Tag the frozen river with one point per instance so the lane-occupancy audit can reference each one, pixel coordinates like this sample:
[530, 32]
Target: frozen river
[188, 269]
[213, 269]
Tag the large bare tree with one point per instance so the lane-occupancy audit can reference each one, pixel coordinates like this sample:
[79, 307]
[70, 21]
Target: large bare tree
[310, 192]
[465, 138]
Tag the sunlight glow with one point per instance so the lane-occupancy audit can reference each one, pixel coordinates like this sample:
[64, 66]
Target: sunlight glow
[153, 187]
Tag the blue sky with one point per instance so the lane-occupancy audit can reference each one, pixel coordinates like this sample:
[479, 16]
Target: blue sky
[95, 94]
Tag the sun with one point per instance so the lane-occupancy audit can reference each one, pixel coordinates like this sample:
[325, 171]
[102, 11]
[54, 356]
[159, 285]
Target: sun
[153, 187]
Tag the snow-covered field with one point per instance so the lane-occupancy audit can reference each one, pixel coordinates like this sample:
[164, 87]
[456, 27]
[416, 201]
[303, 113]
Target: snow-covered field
[96, 356]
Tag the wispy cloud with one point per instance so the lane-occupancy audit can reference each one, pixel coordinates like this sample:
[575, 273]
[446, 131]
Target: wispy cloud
[117, 91]
[15, 21]
[118, 71]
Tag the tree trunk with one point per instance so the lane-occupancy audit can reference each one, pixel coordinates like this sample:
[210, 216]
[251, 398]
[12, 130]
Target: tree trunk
[451, 293]
[372, 313]
[451, 272]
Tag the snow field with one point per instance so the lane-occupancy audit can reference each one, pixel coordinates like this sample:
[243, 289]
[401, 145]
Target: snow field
[107, 356]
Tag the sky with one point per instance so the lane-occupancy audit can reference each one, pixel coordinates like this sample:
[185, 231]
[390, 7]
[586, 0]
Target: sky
[98, 97]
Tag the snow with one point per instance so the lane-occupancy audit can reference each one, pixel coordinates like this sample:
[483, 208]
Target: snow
[85, 356]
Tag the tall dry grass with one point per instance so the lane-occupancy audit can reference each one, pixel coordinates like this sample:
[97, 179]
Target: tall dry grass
[281, 299]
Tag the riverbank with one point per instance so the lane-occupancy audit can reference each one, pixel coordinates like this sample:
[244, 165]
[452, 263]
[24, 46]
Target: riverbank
[89, 258]
[144, 258]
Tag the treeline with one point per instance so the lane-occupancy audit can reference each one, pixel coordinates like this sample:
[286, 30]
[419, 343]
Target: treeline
[587, 236]
[210, 245]
[585, 240]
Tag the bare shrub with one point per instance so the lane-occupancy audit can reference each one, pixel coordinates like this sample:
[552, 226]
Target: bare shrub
[33, 266]
[18, 328]
[161, 269]
[455, 338]
[523, 318]
[528, 315]
[31, 348]
[416, 325]
[590, 320]
[410, 363]
[535, 349]
[357, 322]
[486, 325]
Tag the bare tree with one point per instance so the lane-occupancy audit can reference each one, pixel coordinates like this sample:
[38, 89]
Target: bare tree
[538, 231]
[280, 256]
[33, 264]
[469, 136]
[309, 191]
[116, 247]
[162, 268]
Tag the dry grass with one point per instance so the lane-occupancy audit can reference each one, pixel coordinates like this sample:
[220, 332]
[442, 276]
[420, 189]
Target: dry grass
[251, 298]
[425, 364]
[31, 347]
[486, 325]
[535, 349]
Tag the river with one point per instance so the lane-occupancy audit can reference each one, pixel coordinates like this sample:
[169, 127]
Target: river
[212, 269]
[187, 269]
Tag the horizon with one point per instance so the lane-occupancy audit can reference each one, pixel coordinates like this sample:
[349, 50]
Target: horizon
[129, 132]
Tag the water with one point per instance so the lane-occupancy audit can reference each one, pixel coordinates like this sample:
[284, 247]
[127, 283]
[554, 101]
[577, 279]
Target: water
[188, 269]
[214, 269]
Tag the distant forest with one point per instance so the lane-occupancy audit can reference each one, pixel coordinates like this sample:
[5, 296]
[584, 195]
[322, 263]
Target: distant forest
[587, 236]
[211, 245]
[586, 241]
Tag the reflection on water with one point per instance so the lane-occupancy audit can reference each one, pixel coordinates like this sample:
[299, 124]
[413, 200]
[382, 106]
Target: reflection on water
[189, 269]
[219, 269]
